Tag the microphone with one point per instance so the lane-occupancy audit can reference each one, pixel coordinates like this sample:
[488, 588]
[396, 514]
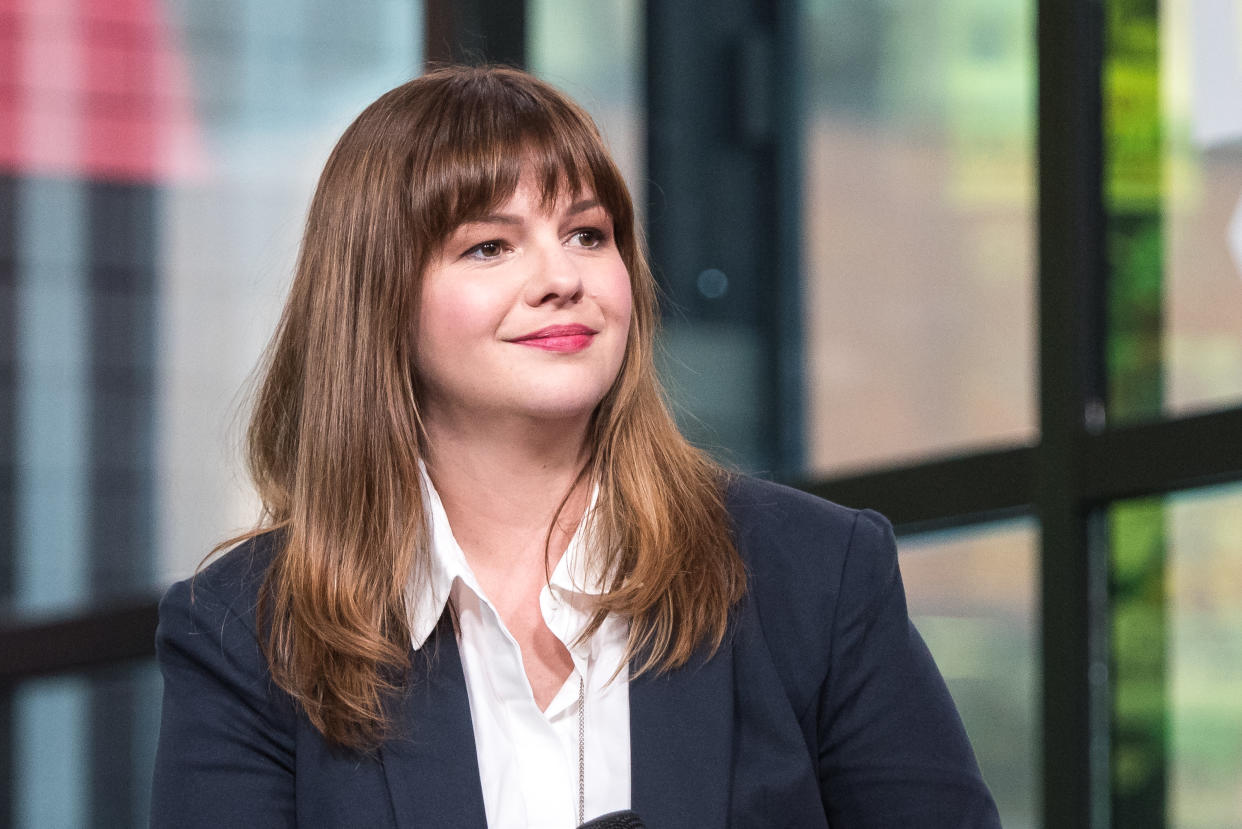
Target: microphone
[625, 819]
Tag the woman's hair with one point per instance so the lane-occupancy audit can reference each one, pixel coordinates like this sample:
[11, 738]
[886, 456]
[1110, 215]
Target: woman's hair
[335, 440]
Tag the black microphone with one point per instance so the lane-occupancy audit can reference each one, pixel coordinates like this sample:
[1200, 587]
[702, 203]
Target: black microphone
[625, 819]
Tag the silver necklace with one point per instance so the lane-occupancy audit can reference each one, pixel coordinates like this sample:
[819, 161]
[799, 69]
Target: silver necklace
[581, 750]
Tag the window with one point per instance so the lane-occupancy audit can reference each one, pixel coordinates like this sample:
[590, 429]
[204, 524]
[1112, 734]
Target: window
[973, 264]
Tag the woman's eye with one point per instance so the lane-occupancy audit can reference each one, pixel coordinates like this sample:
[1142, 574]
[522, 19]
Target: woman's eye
[587, 237]
[486, 250]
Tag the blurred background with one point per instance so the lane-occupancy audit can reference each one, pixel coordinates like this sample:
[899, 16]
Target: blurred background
[974, 263]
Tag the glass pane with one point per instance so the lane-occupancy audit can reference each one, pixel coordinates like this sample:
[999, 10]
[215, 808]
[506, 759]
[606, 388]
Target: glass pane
[1177, 652]
[1201, 93]
[84, 748]
[974, 596]
[156, 160]
[1174, 171]
[603, 73]
[919, 228]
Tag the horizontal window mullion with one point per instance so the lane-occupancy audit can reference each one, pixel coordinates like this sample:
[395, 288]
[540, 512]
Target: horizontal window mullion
[91, 639]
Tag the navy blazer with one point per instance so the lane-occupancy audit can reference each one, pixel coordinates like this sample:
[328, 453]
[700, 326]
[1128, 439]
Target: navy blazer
[823, 707]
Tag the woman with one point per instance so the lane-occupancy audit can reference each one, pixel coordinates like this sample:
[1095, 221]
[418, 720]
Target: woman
[494, 586]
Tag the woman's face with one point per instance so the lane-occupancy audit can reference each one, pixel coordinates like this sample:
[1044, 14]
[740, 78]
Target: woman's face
[524, 312]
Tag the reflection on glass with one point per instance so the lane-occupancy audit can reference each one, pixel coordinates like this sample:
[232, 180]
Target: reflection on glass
[919, 228]
[1173, 128]
[84, 748]
[973, 595]
[1201, 103]
[601, 72]
[1205, 658]
[1177, 650]
[155, 164]
[275, 85]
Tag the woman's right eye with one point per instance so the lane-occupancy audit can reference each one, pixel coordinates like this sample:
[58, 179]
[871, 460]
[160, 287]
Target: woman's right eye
[486, 250]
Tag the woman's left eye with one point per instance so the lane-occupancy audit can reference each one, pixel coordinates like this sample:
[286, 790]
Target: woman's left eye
[587, 237]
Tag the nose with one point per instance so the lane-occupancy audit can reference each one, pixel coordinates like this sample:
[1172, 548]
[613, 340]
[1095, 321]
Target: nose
[555, 278]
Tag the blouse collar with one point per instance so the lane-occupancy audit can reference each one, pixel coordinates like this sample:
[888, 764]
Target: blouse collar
[576, 578]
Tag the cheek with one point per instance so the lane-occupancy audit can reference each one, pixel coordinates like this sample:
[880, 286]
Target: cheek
[454, 316]
[620, 308]
[620, 296]
[440, 341]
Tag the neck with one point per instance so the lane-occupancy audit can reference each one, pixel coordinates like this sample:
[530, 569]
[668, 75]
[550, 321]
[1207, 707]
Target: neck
[502, 485]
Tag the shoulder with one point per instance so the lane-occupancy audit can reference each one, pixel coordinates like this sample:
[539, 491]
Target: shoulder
[778, 528]
[226, 752]
[222, 597]
[240, 572]
[208, 642]
[812, 567]
[755, 504]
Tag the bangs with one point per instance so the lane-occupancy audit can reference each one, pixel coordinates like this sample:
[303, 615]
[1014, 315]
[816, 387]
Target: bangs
[487, 132]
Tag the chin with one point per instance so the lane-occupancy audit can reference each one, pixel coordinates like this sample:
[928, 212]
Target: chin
[563, 413]
[556, 398]
[558, 408]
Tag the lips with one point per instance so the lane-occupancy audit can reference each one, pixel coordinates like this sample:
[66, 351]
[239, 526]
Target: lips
[564, 338]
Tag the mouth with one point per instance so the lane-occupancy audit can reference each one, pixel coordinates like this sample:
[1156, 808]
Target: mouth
[564, 338]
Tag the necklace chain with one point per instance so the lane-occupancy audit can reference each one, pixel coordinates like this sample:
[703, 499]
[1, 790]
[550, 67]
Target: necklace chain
[581, 749]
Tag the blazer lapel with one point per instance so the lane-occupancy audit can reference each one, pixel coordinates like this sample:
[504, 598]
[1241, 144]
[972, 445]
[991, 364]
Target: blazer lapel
[430, 763]
[681, 743]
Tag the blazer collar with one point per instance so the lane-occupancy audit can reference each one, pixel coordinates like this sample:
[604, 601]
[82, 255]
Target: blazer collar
[431, 765]
[681, 743]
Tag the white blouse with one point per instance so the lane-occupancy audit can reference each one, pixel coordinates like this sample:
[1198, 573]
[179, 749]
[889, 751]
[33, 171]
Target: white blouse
[528, 758]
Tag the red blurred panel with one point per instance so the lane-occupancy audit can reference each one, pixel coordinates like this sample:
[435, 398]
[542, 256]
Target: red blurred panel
[97, 89]
[10, 68]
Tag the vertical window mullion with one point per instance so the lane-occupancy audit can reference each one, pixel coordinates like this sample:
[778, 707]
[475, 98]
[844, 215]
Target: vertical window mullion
[1071, 296]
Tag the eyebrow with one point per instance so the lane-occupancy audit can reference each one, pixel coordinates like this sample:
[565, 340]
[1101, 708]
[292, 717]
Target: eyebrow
[509, 219]
[583, 206]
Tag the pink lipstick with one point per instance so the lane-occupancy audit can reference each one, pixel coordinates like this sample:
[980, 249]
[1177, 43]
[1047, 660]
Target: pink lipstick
[563, 338]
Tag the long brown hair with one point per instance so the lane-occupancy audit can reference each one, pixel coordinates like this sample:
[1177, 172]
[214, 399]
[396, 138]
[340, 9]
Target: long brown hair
[334, 441]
